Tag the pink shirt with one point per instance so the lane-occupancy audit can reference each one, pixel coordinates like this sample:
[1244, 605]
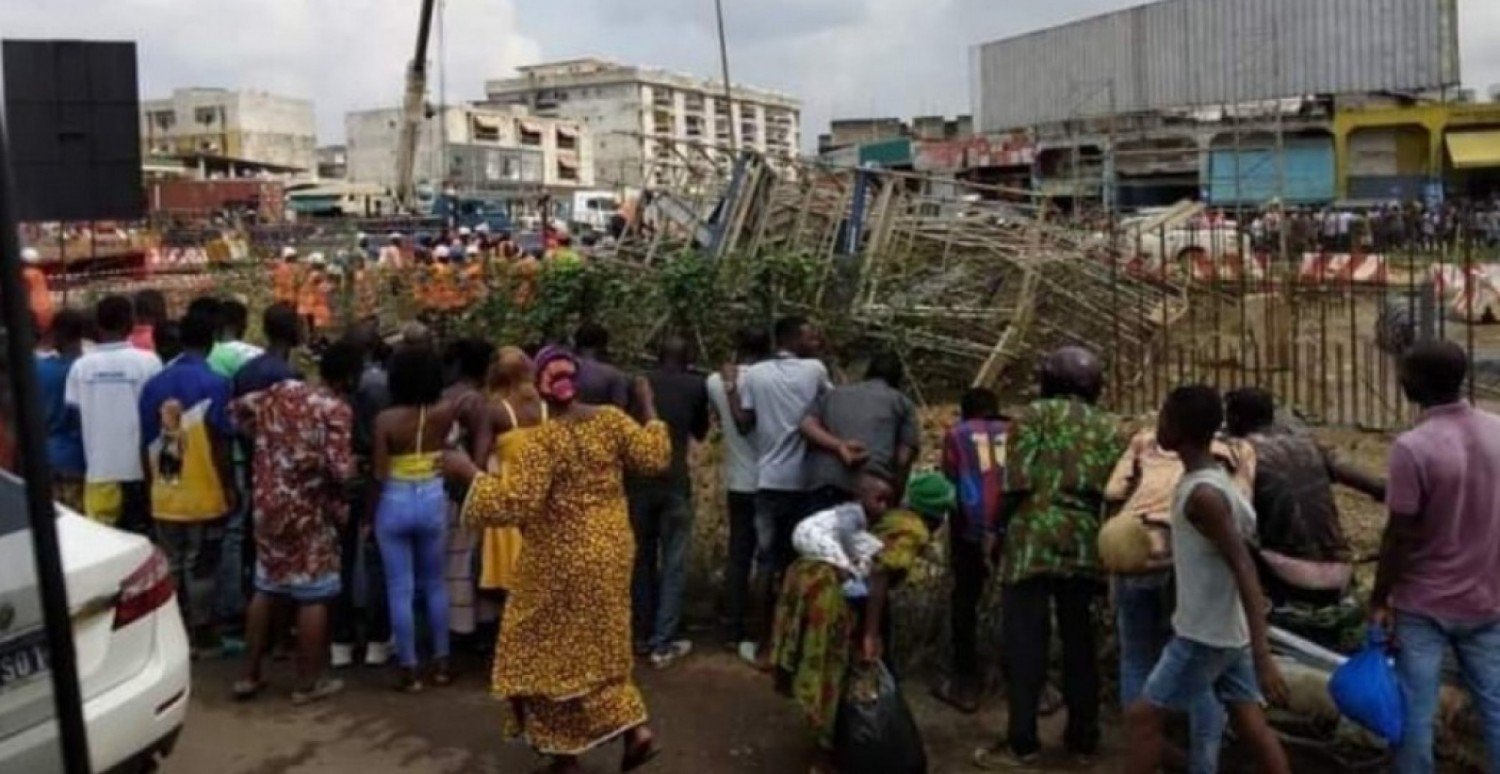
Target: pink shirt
[1446, 474]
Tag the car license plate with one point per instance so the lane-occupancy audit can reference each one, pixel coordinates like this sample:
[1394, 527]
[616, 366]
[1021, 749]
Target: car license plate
[23, 659]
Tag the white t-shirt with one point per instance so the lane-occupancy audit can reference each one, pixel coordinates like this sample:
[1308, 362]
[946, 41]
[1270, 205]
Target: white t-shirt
[741, 460]
[106, 385]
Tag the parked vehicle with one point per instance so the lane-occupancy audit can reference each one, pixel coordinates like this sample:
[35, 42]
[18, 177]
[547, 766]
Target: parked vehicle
[132, 647]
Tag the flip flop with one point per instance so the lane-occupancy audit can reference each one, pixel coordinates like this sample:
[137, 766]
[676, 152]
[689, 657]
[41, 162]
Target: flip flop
[943, 692]
[640, 755]
[245, 690]
[321, 690]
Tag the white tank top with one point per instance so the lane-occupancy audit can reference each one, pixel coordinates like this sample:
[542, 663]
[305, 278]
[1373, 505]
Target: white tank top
[1208, 599]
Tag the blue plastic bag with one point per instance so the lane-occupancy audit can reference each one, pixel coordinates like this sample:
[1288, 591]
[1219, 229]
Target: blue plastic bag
[1368, 692]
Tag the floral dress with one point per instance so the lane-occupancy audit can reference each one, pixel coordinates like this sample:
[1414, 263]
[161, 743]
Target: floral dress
[565, 664]
[812, 644]
[303, 455]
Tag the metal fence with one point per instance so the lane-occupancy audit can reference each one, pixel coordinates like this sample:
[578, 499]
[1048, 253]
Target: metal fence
[1321, 330]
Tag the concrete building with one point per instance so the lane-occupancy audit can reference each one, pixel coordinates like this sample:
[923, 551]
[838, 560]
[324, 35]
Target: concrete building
[231, 132]
[333, 162]
[633, 114]
[1156, 103]
[475, 148]
[845, 133]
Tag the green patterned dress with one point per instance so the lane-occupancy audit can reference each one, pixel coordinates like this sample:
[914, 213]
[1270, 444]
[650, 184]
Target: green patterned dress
[816, 629]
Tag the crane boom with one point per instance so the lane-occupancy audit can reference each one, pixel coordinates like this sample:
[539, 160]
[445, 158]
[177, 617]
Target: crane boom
[411, 114]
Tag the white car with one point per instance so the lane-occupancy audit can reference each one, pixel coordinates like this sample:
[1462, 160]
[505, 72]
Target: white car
[131, 645]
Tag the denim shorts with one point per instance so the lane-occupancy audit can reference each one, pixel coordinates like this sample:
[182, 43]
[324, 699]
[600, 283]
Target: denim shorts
[1187, 670]
[311, 591]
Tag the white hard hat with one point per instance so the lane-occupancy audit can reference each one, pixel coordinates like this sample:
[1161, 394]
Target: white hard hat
[464, 231]
[288, 252]
[30, 255]
[441, 251]
[315, 259]
[361, 236]
[472, 250]
[482, 228]
[395, 236]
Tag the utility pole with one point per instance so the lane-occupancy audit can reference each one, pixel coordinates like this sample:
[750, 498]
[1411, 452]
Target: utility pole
[734, 143]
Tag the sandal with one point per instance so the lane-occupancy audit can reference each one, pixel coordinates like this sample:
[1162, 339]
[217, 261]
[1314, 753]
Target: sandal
[441, 675]
[245, 690]
[407, 681]
[1002, 758]
[943, 692]
[319, 691]
[639, 755]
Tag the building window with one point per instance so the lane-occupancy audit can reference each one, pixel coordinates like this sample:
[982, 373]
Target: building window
[485, 131]
[530, 136]
[567, 172]
[163, 119]
[206, 115]
[567, 139]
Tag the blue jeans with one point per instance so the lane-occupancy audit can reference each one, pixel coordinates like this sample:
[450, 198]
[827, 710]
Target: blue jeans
[663, 522]
[411, 529]
[1144, 622]
[1419, 664]
[230, 605]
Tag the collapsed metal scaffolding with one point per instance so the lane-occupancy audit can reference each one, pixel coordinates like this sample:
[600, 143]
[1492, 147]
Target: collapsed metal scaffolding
[973, 281]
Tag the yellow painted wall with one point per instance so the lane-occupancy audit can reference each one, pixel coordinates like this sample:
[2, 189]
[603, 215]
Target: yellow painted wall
[1420, 155]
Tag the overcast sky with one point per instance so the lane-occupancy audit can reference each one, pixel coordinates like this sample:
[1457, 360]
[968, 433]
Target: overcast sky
[842, 57]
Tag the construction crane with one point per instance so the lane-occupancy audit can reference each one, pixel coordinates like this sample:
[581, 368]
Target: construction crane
[412, 111]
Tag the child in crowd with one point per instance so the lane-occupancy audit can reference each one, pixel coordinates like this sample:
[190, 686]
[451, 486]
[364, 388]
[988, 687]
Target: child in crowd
[1219, 645]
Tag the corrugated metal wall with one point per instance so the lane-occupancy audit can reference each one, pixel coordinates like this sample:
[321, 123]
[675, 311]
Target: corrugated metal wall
[1207, 52]
[1256, 179]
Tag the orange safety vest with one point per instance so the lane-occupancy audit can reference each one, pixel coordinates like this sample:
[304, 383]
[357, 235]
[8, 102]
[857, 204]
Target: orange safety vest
[366, 294]
[525, 272]
[284, 282]
[312, 301]
[473, 290]
[39, 297]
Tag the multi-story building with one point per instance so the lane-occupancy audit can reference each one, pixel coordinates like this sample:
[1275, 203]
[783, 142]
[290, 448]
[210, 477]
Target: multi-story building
[846, 132]
[333, 162]
[473, 148]
[636, 114]
[231, 132]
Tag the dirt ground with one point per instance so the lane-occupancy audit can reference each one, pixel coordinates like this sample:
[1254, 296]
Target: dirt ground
[711, 714]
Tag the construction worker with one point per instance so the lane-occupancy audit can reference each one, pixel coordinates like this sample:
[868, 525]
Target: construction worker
[472, 277]
[564, 252]
[392, 255]
[444, 289]
[312, 300]
[366, 290]
[38, 294]
[285, 278]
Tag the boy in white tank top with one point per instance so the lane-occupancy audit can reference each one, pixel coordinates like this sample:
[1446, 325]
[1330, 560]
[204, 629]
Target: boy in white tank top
[1216, 647]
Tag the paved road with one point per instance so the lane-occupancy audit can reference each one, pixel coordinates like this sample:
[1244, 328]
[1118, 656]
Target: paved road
[711, 714]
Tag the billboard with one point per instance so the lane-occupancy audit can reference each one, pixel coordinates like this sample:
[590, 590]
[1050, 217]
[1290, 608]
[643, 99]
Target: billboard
[1184, 53]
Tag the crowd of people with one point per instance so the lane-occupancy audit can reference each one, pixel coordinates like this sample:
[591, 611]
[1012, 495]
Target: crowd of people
[415, 496]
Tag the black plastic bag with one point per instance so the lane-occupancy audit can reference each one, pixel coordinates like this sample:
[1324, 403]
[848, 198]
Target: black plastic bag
[876, 733]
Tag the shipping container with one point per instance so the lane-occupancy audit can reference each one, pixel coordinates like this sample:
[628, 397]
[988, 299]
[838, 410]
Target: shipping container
[202, 198]
[1253, 177]
[1185, 53]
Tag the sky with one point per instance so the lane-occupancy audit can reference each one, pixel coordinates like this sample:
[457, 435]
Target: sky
[844, 58]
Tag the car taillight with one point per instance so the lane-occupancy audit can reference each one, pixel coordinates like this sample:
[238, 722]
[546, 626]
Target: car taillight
[144, 590]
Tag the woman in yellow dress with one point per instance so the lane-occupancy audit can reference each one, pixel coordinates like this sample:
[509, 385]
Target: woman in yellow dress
[516, 410]
[565, 672]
